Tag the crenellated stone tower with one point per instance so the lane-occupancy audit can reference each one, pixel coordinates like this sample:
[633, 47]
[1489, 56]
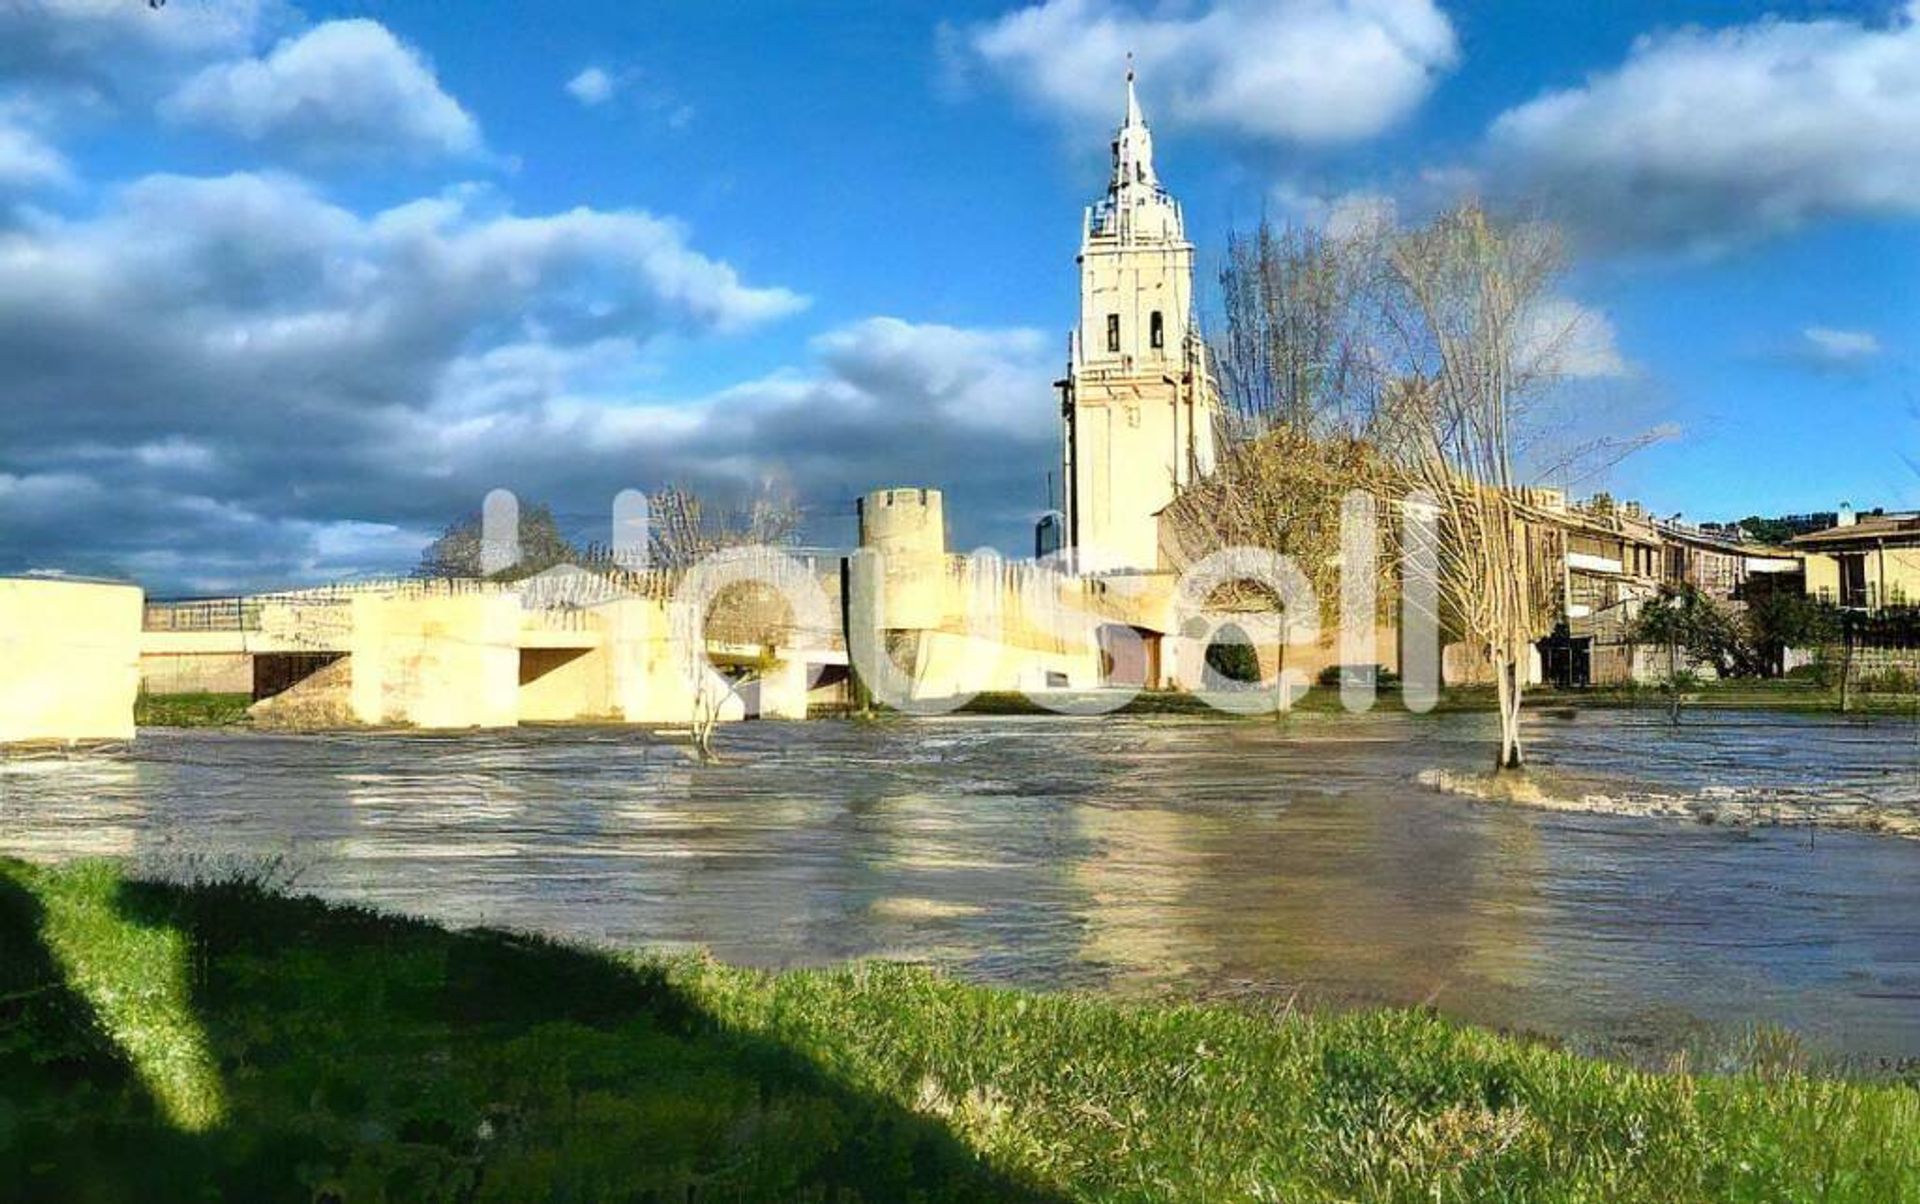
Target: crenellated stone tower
[1138, 407]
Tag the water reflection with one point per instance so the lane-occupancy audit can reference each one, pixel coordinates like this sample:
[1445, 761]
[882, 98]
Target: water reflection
[1238, 858]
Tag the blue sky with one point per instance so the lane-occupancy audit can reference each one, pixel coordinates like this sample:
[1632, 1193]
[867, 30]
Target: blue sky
[283, 288]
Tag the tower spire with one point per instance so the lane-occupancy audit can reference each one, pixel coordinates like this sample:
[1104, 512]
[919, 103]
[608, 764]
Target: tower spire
[1133, 145]
[1133, 102]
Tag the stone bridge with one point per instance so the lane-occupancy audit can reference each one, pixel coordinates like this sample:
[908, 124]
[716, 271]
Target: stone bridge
[454, 654]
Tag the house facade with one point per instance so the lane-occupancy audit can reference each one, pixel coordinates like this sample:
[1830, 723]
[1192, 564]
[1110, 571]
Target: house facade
[1867, 562]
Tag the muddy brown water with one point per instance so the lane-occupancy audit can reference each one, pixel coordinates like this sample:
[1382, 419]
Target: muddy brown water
[1141, 856]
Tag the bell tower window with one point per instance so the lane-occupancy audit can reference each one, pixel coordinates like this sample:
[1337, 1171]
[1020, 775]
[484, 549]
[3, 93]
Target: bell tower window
[1156, 331]
[1113, 333]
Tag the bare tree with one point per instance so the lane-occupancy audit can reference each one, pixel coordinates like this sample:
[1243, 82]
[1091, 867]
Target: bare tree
[1410, 363]
[1299, 343]
[685, 530]
[1467, 295]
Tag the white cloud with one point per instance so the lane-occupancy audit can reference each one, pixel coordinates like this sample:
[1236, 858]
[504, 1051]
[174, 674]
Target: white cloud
[27, 160]
[342, 90]
[1272, 70]
[593, 86]
[174, 453]
[1340, 216]
[1571, 341]
[964, 377]
[1709, 138]
[1825, 347]
[1843, 344]
[1357, 214]
[877, 402]
[246, 340]
[99, 43]
[880, 401]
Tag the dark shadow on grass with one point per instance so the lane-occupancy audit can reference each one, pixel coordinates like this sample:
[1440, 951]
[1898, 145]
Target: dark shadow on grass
[75, 1121]
[370, 1057]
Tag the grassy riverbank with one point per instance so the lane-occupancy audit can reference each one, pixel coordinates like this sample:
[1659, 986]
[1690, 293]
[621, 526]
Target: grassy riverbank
[155, 1039]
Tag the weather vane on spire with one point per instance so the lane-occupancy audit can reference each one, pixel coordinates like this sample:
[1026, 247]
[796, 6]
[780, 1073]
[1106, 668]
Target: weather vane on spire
[1129, 66]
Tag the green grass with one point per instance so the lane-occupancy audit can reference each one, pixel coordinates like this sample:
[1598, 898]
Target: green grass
[191, 710]
[1737, 694]
[1321, 700]
[220, 1042]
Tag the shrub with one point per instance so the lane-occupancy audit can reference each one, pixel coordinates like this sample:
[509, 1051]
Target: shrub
[1232, 659]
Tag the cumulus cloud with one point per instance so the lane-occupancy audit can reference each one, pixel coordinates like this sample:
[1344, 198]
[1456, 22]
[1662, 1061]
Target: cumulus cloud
[1710, 137]
[343, 90]
[637, 90]
[878, 402]
[235, 383]
[1272, 70]
[243, 339]
[592, 86]
[959, 377]
[239, 383]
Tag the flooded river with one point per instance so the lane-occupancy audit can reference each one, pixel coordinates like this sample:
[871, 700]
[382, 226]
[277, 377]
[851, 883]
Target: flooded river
[1134, 855]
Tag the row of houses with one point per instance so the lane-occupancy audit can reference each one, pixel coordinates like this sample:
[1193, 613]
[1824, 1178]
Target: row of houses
[1619, 556]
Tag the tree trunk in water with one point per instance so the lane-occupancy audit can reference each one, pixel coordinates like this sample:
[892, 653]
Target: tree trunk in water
[1516, 755]
[1846, 666]
[704, 719]
[1673, 682]
[1506, 676]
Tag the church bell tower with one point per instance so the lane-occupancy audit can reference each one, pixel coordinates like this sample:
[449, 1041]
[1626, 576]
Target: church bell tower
[1138, 407]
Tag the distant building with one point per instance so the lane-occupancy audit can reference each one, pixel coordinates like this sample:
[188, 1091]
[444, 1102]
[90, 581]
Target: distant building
[1865, 562]
[1618, 557]
[1722, 565]
[1137, 406]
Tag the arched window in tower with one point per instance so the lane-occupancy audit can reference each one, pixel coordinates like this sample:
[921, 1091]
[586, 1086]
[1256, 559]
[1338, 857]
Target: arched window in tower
[1113, 332]
[1156, 331]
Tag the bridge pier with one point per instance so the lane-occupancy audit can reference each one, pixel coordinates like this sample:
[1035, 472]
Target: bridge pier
[435, 660]
[69, 660]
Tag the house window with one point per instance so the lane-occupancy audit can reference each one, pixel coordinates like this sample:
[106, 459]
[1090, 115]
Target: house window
[1113, 332]
[1156, 331]
[1853, 582]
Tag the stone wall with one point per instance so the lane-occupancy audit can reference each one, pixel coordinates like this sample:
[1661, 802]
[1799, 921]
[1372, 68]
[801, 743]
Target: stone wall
[196, 673]
[1894, 667]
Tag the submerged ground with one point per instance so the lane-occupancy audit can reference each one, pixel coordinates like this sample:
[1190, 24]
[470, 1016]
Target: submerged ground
[215, 1042]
